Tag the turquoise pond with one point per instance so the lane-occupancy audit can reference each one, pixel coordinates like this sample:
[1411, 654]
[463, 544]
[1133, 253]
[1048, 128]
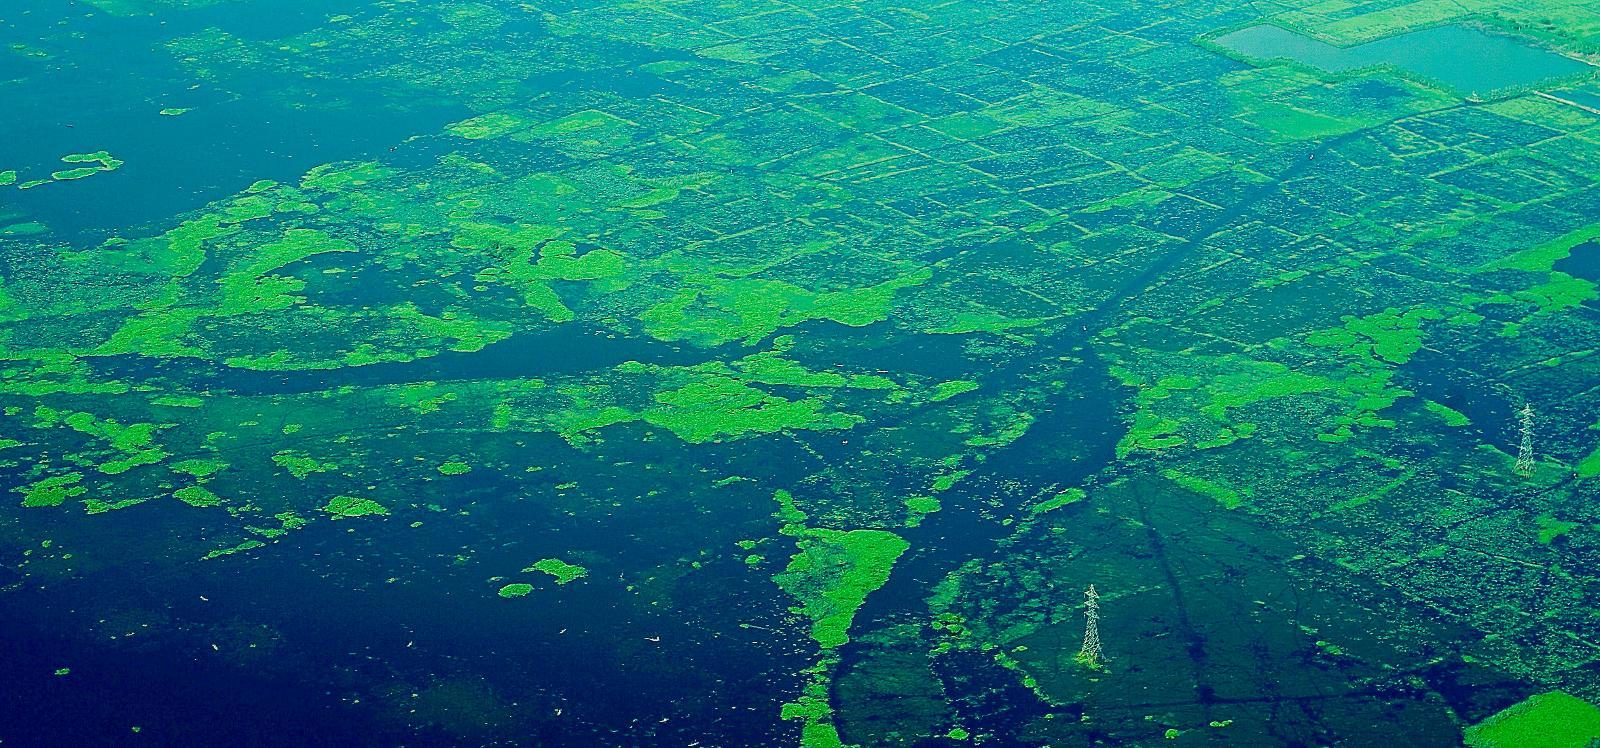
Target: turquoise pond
[1464, 59]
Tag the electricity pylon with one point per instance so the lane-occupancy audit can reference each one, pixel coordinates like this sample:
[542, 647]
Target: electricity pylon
[1090, 654]
[1525, 452]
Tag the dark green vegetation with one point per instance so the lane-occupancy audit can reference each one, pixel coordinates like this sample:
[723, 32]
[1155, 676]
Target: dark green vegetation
[588, 373]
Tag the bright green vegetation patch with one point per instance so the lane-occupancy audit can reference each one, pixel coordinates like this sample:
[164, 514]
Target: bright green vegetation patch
[134, 443]
[834, 572]
[52, 491]
[70, 174]
[1354, 387]
[532, 261]
[1451, 416]
[299, 464]
[1294, 123]
[251, 288]
[1069, 496]
[1295, 105]
[287, 521]
[947, 390]
[178, 401]
[515, 589]
[1589, 466]
[103, 159]
[26, 228]
[1149, 432]
[963, 322]
[101, 506]
[94, 163]
[561, 570]
[455, 468]
[918, 507]
[1551, 528]
[1561, 291]
[342, 507]
[706, 402]
[1543, 257]
[491, 125]
[1367, 497]
[1390, 335]
[949, 480]
[724, 310]
[197, 496]
[831, 575]
[717, 406]
[248, 545]
[814, 709]
[1224, 495]
[198, 467]
[1548, 720]
[81, 165]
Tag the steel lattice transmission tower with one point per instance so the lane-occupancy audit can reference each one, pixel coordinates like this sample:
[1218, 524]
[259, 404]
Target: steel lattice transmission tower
[1525, 452]
[1090, 654]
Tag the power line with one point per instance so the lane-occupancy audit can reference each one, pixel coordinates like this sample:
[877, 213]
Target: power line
[1090, 654]
[1524, 466]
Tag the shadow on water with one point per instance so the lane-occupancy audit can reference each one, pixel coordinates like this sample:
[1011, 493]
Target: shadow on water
[114, 693]
[1442, 377]
[1583, 262]
[398, 638]
[1086, 415]
[1073, 437]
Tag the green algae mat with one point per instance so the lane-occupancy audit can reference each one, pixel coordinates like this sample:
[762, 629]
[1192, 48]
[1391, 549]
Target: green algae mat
[1547, 720]
[818, 373]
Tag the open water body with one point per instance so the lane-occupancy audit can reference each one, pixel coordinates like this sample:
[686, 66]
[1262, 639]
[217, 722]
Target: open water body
[102, 82]
[1467, 60]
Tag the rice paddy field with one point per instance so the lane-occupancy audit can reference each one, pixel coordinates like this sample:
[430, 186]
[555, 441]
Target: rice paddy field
[806, 373]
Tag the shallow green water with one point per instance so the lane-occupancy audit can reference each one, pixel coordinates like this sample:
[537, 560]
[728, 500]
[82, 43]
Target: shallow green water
[1465, 59]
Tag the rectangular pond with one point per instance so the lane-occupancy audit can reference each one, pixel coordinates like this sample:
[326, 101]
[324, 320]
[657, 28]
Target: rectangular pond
[1464, 59]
